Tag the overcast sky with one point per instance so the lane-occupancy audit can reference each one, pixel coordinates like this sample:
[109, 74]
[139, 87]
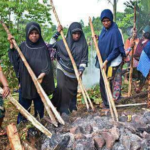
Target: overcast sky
[75, 10]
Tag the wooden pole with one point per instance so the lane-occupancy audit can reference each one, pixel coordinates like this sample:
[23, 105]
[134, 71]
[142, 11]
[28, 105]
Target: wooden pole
[113, 109]
[47, 103]
[131, 105]
[13, 137]
[131, 64]
[27, 115]
[130, 75]
[88, 97]
[71, 57]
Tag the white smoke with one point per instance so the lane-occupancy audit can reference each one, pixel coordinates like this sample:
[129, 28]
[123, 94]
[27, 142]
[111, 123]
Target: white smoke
[91, 75]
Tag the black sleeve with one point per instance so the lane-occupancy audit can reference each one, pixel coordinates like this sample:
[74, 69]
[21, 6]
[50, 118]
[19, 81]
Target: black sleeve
[84, 59]
[14, 59]
[46, 63]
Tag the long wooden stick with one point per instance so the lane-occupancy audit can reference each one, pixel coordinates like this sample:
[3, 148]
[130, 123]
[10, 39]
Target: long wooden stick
[89, 100]
[113, 109]
[28, 116]
[47, 103]
[131, 105]
[71, 57]
[131, 64]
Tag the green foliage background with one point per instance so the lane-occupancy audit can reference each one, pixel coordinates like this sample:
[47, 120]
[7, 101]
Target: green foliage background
[17, 13]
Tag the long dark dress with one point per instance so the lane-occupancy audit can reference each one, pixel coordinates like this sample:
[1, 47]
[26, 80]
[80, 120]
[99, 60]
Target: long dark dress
[37, 56]
[111, 47]
[67, 83]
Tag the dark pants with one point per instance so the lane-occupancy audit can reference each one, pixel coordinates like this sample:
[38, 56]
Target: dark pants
[64, 97]
[103, 91]
[73, 104]
[26, 103]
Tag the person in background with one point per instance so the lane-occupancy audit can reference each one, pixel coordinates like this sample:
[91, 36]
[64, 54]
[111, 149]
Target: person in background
[36, 53]
[128, 43]
[142, 43]
[5, 93]
[144, 62]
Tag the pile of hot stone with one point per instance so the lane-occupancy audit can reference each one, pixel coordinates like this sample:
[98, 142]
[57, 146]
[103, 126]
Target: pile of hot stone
[93, 132]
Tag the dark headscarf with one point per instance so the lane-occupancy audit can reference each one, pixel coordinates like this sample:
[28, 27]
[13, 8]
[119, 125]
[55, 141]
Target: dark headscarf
[79, 49]
[38, 58]
[106, 14]
[110, 40]
[30, 27]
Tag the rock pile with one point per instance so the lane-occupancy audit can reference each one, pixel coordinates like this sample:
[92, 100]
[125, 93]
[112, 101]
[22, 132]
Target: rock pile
[93, 132]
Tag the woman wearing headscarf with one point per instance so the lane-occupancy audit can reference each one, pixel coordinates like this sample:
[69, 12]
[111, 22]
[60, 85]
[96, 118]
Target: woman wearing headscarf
[112, 51]
[66, 91]
[35, 51]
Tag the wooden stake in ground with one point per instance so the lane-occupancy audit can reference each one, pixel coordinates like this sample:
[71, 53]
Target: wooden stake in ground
[113, 109]
[46, 101]
[13, 137]
[72, 60]
[131, 63]
[88, 97]
[28, 116]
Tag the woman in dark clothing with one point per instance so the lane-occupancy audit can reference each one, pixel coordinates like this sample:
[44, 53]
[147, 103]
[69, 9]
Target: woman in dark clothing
[112, 51]
[67, 83]
[36, 54]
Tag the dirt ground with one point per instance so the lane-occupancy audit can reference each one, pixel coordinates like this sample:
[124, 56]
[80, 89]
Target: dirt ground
[11, 112]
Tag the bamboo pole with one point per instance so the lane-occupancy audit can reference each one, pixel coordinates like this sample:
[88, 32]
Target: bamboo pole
[47, 103]
[131, 64]
[27, 115]
[130, 74]
[113, 110]
[131, 105]
[71, 57]
[88, 98]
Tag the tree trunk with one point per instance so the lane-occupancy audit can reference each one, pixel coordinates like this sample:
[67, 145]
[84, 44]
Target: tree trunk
[115, 9]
